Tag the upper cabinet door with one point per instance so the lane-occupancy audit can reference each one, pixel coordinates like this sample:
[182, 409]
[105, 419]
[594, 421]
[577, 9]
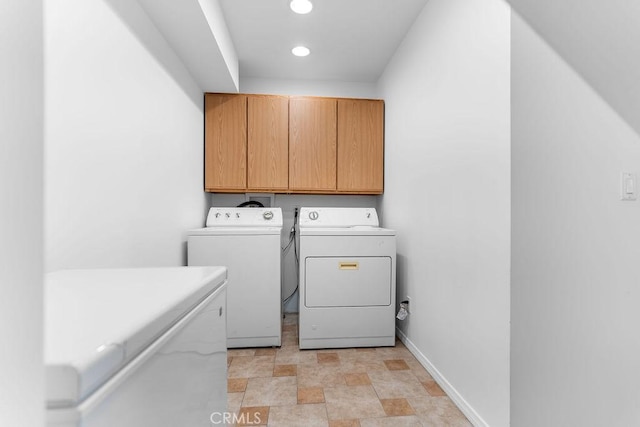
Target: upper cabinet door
[225, 142]
[312, 144]
[268, 142]
[360, 145]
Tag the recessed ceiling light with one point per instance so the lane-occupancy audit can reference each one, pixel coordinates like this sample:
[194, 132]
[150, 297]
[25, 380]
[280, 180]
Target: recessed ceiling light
[301, 6]
[300, 51]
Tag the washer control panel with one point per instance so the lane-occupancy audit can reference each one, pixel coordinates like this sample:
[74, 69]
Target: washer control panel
[338, 217]
[244, 217]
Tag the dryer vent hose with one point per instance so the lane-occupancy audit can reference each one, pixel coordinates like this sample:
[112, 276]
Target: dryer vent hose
[251, 204]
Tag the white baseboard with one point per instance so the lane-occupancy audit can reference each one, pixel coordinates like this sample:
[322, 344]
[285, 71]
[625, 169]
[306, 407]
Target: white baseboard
[453, 394]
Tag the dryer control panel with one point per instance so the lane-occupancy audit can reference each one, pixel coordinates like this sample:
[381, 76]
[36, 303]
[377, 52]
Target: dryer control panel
[338, 217]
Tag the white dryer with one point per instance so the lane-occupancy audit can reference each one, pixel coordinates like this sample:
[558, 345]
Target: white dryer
[347, 279]
[247, 241]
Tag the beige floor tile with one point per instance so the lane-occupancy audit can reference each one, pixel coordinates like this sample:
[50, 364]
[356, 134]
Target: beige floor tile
[396, 365]
[285, 370]
[418, 370]
[314, 415]
[345, 387]
[405, 421]
[235, 385]
[320, 375]
[265, 352]
[357, 379]
[328, 358]
[290, 336]
[276, 391]
[339, 351]
[397, 352]
[344, 423]
[396, 384]
[360, 356]
[363, 367]
[310, 395]
[397, 407]
[289, 328]
[293, 356]
[352, 402]
[438, 412]
[290, 341]
[253, 416]
[362, 362]
[234, 402]
[433, 388]
[251, 367]
[290, 319]
[241, 352]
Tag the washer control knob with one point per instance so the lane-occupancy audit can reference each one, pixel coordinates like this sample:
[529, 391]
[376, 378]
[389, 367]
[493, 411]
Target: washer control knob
[313, 215]
[268, 215]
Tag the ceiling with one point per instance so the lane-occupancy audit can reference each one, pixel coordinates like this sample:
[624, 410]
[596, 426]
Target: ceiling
[599, 40]
[350, 40]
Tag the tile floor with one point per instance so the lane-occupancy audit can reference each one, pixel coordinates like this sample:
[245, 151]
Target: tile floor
[383, 386]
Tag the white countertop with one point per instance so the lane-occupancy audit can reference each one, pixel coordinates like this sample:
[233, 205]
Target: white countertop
[96, 321]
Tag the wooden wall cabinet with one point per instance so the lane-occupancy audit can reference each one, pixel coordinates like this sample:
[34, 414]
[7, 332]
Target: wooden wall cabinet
[246, 143]
[360, 145]
[225, 149]
[279, 144]
[312, 144]
[268, 143]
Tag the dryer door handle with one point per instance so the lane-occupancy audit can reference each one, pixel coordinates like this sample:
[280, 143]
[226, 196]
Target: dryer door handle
[348, 265]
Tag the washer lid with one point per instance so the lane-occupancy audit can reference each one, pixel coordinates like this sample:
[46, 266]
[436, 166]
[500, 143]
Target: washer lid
[96, 321]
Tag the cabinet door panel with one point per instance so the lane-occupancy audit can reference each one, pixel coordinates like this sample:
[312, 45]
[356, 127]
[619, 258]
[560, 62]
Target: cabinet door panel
[268, 143]
[225, 142]
[360, 145]
[312, 144]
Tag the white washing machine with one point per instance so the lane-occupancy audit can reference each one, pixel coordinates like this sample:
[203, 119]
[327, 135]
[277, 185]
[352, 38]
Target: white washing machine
[135, 347]
[247, 241]
[347, 279]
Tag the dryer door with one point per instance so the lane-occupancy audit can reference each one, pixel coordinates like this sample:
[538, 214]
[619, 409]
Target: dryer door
[347, 282]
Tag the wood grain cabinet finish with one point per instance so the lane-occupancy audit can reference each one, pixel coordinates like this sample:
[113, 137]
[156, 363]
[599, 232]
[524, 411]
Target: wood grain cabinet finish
[225, 148]
[312, 144]
[280, 144]
[268, 143]
[360, 146]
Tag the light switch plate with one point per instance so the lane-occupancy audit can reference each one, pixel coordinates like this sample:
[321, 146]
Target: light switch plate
[628, 186]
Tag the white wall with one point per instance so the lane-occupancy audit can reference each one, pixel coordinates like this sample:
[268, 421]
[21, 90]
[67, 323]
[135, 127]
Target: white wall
[124, 140]
[21, 214]
[599, 39]
[575, 342]
[331, 88]
[447, 193]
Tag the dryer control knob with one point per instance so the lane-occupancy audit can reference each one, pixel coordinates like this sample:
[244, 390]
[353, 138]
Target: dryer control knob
[268, 215]
[313, 215]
